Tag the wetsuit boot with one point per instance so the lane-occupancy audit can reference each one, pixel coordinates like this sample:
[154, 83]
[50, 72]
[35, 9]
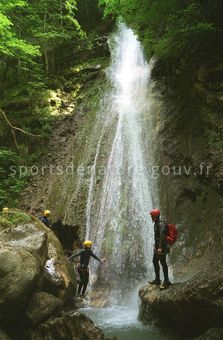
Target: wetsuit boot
[155, 282]
[165, 285]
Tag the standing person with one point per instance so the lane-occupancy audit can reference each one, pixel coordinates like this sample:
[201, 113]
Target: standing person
[161, 249]
[45, 218]
[83, 270]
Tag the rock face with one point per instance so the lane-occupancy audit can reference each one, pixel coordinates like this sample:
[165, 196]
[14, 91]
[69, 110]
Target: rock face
[67, 326]
[191, 307]
[36, 284]
[27, 290]
[69, 154]
[187, 144]
[187, 118]
[59, 276]
[41, 307]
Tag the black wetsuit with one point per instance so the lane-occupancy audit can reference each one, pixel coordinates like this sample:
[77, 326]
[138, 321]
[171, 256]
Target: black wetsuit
[85, 255]
[45, 220]
[160, 231]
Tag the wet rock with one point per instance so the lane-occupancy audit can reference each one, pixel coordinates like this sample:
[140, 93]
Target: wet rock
[67, 326]
[41, 307]
[99, 298]
[192, 307]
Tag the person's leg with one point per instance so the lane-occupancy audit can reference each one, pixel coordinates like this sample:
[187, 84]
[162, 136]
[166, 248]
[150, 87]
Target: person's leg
[156, 267]
[81, 283]
[165, 268]
[85, 282]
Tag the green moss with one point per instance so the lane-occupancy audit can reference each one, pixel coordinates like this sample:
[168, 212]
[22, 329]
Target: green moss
[13, 218]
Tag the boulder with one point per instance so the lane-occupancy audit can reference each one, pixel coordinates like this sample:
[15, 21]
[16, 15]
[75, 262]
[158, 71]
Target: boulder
[60, 278]
[41, 307]
[67, 326]
[28, 236]
[20, 272]
[25, 250]
[192, 307]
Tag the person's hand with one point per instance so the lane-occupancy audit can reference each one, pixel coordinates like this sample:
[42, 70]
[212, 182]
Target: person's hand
[103, 260]
[159, 251]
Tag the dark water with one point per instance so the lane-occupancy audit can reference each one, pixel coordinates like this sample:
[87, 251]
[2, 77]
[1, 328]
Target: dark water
[123, 323]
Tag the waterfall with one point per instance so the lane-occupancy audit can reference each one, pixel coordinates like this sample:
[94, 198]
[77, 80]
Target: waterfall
[118, 220]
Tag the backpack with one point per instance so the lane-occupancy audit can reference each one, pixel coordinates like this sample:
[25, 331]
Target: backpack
[172, 234]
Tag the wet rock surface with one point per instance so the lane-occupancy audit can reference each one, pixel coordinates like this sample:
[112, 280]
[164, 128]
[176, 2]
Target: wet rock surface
[41, 307]
[191, 307]
[67, 326]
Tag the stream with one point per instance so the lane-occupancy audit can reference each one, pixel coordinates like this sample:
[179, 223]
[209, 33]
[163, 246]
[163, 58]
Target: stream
[122, 321]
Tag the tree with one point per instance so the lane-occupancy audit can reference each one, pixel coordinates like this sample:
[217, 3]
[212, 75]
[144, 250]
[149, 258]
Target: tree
[12, 47]
[168, 28]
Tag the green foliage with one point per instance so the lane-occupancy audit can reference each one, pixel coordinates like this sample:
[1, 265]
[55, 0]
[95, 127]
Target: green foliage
[31, 36]
[52, 23]
[30, 33]
[168, 28]
[29, 29]
[11, 181]
[10, 44]
[89, 14]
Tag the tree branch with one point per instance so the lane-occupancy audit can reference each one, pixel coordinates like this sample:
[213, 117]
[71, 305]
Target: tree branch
[17, 129]
[15, 140]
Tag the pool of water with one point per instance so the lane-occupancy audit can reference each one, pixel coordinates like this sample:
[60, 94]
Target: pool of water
[123, 323]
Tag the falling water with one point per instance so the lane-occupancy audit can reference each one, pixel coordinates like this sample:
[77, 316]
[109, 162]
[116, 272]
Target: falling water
[118, 219]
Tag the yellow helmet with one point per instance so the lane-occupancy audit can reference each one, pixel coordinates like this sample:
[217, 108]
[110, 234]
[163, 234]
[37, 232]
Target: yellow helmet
[5, 210]
[46, 213]
[87, 244]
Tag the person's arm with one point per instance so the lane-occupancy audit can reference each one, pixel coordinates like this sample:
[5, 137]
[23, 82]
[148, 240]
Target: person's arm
[97, 258]
[162, 232]
[75, 255]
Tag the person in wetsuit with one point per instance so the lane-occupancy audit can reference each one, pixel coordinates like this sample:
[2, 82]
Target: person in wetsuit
[45, 218]
[85, 255]
[161, 249]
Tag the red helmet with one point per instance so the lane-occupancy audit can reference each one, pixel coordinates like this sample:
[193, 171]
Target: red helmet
[155, 212]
